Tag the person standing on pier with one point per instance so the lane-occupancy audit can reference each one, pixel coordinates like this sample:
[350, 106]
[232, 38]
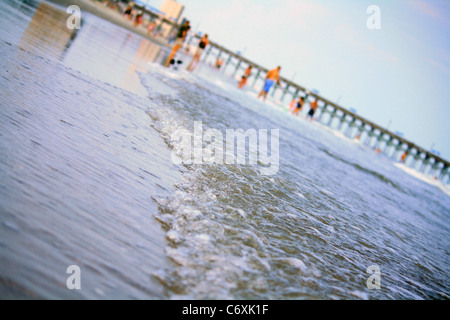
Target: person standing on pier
[196, 58]
[271, 76]
[245, 76]
[181, 36]
[313, 109]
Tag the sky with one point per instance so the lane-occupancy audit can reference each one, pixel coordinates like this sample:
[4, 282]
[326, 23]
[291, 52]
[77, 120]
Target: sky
[397, 76]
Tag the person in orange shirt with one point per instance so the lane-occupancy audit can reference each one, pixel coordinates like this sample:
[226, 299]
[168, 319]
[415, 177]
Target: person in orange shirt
[245, 76]
[271, 76]
[403, 157]
[219, 63]
[313, 109]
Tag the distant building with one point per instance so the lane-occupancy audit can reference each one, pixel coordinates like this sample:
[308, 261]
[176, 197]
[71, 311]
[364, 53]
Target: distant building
[172, 11]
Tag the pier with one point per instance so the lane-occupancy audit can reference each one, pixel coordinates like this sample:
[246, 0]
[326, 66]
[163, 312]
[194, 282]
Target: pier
[329, 113]
[333, 115]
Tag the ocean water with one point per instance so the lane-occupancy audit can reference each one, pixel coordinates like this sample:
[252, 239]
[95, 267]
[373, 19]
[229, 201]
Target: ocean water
[88, 129]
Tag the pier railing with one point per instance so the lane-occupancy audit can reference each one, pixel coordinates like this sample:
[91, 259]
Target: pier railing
[331, 114]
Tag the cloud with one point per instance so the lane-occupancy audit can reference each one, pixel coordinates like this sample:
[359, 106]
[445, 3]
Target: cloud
[438, 65]
[433, 12]
[301, 13]
[267, 30]
[358, 41]
[280, 15]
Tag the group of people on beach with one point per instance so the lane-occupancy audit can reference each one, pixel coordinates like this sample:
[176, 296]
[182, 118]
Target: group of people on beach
[272, 76]
[137, 17]
[297, 105]
[178, 38]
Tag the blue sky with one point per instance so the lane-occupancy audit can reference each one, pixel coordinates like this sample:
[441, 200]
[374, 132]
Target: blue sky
[397, 76]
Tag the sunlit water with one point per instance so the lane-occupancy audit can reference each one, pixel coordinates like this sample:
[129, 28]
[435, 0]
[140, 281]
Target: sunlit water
[87, 121]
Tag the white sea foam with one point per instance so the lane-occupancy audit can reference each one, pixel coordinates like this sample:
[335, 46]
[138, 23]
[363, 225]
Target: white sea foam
[424, 177]
[295, 262]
